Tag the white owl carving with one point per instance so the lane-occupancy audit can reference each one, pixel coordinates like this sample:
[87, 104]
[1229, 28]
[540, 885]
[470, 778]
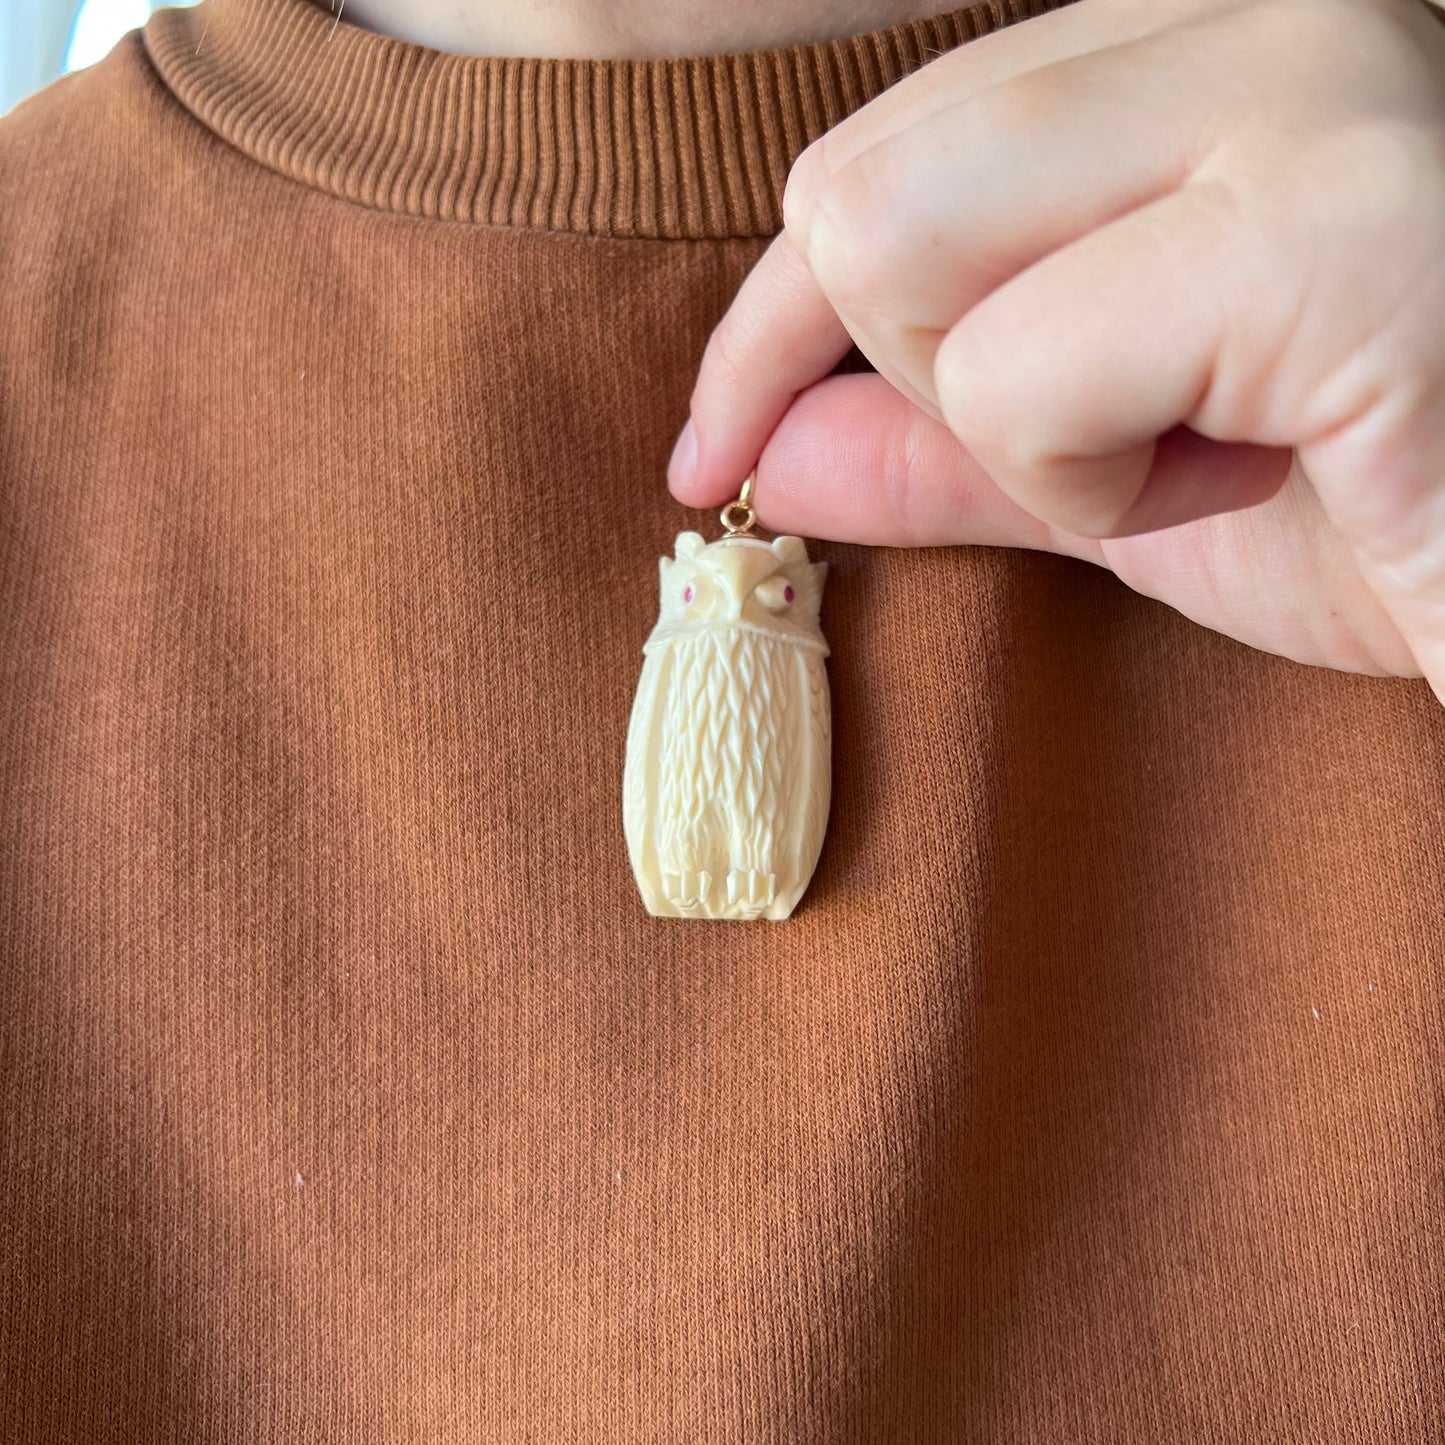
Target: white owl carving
[729, 750]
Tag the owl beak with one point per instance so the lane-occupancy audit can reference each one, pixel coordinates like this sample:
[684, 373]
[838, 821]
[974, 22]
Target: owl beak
[744, 567]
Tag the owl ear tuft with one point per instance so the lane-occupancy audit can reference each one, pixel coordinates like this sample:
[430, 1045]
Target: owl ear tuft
[790, 549]
[689, 544]
[663, 564]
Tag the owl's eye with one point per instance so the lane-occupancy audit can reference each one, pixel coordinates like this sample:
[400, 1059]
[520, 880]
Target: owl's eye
[774, 593]
[687, 593]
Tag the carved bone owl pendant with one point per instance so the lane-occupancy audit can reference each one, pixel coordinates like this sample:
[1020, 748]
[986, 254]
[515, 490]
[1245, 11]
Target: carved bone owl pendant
[729, 749]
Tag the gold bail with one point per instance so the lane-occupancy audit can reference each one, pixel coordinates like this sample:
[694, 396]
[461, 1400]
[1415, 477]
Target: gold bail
[738, 516]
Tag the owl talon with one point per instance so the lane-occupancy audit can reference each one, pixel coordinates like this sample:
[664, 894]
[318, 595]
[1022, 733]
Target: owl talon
[750, 891]
[687, 892]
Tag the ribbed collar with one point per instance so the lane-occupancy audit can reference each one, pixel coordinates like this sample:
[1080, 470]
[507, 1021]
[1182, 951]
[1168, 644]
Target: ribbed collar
[696, 146]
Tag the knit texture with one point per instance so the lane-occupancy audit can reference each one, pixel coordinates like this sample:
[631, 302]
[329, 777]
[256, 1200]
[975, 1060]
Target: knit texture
[697, 146]
[1092, 1096]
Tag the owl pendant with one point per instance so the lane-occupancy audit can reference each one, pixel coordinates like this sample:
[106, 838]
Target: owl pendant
[729, 749]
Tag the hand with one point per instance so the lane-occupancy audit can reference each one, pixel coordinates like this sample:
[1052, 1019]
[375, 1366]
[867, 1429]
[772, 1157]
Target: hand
[1131, 265]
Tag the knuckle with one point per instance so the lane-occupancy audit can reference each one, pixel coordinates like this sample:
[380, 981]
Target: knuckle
[857, 234]
[1038, 101]
[806, 177]
[970, 382]
[983, 391]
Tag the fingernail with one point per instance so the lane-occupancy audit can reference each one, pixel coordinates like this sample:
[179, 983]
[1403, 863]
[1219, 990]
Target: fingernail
[682, 465]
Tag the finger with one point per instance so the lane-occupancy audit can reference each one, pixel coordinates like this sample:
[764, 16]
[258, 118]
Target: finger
[851, 461]
[854, 461]
[970, 69]
[785, 331]
[1381, 478]
[1061, 381]
[780, 334]
[921, 226]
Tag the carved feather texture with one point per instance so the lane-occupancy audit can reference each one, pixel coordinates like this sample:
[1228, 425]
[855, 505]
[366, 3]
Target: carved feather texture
[815, 724]
[727, 782]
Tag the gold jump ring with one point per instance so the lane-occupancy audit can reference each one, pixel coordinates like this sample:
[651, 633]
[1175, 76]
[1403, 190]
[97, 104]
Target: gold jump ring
[738, 515]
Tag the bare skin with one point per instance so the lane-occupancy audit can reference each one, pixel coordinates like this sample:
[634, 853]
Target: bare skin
[1155, 283]
[624, 29]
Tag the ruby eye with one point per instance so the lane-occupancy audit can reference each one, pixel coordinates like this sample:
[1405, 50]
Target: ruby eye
[787, 594]
[687, 593]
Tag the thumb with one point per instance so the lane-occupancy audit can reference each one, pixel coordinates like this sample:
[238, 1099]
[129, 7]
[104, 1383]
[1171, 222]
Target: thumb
[853, 460]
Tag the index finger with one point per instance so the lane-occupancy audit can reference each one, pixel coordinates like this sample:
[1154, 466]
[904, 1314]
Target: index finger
[779, 335]
[1026, 43]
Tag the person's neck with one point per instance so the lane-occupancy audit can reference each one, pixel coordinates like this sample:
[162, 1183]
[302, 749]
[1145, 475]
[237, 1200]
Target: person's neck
[624, 29]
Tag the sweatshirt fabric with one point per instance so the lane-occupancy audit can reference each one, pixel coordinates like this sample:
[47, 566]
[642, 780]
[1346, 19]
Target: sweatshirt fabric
[1092, 1096]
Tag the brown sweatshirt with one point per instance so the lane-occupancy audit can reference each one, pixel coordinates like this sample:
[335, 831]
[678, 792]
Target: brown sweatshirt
[1094, 1095]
